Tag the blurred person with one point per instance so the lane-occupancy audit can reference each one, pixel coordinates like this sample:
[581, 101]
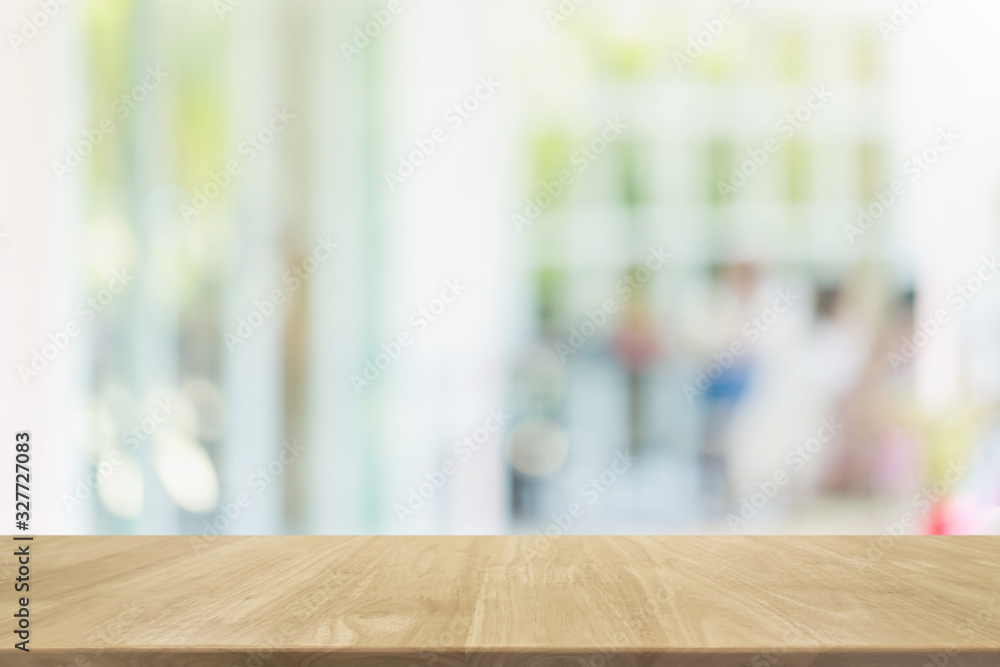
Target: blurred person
[637, 347]
[896, 450]
[723, 376]
[791, 420]
[840, 342]
[879, 451]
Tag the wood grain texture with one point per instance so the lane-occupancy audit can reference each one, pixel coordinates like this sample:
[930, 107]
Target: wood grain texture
[439, 601]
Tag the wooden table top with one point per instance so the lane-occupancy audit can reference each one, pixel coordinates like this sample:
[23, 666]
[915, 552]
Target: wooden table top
[430, 601]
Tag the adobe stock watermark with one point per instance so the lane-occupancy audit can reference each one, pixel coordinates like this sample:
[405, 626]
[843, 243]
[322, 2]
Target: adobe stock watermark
[751, 330]
[224, 7]
[776, 656]
[665, 597]
[785, 128]
[121, 109]
[914, 168]
[420, 321]
[86, 311]
[248, 150]
[607, 656]
[563, 11]
[581, 158]
[971, 629]
[900, 15]
[363, 35]
[107, 637]
[703, 40]
[263, 649]
[258, 482]
[33, 24]
[110, 635]
[796, 459]
[454, 634]
[265, 308]
[928, 329]
[921, 504]
[625, 289]
[591, 490]
[454, 117]
[85, 487]
[463, 451]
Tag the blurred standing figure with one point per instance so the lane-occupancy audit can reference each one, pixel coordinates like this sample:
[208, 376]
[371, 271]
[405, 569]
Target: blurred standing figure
[880, 443]
[732, 301]
[637, 346]
[805, 367]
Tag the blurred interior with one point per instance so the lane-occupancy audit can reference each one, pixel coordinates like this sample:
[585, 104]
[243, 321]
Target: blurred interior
[552, 357]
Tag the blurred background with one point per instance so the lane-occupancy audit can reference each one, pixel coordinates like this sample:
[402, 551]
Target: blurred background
[503, 267]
